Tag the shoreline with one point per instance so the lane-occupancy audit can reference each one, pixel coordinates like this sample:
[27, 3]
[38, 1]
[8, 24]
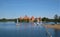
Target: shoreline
[56, 26]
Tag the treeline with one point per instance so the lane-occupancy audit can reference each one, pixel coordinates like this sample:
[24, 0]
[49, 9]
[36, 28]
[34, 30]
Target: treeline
[50, 20]
[55, 19]
[7, 20]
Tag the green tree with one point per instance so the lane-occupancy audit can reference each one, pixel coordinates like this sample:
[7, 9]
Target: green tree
[59, 19]
[45, 19]
[56, 19]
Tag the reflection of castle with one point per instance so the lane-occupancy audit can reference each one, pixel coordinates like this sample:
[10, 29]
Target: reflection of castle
[30, 19]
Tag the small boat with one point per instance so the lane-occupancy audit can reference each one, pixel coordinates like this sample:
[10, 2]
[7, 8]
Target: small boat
[17, 23]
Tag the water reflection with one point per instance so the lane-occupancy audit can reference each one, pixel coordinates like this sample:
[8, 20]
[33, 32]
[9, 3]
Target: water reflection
[23, 30]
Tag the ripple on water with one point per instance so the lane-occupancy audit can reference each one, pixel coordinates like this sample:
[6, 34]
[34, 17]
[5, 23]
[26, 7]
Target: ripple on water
[23, 30]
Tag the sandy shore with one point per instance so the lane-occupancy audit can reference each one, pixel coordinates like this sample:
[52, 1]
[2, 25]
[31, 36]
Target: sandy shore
[56, 26]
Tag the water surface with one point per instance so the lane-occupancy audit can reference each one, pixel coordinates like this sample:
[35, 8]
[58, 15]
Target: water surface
[10, 29]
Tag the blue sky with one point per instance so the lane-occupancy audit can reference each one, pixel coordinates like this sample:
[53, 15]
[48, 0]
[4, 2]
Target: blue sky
[17, 8]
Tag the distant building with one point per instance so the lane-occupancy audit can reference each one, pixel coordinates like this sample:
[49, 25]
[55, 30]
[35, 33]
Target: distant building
[32, 18]
[40, 19]
[26, 18]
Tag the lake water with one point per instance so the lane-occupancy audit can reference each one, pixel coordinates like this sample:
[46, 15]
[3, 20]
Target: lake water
[10, 29]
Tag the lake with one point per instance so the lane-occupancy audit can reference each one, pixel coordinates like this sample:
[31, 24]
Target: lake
[10, 29]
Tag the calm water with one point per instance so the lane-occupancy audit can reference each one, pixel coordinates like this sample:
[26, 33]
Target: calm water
[10, 29]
